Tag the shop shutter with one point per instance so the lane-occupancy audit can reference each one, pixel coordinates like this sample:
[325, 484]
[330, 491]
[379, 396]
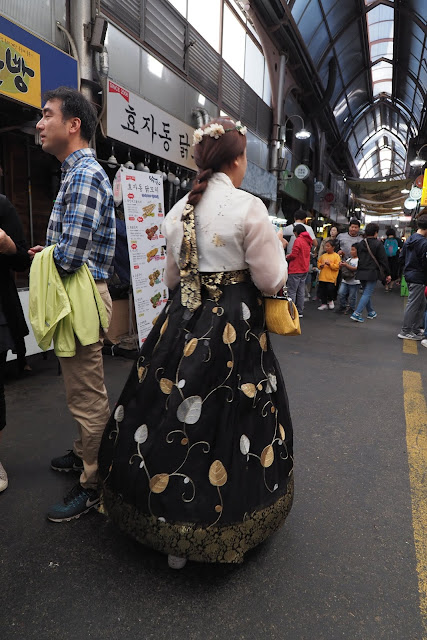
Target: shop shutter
[127, 13]
[248, 111]
[231, 91]
[165, 31]
[203, 64]
[264, 120]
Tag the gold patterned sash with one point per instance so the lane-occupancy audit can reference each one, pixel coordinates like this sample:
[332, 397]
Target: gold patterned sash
[191, 279]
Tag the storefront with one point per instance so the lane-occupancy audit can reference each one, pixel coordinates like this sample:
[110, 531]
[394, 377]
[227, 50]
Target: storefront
[29, 66]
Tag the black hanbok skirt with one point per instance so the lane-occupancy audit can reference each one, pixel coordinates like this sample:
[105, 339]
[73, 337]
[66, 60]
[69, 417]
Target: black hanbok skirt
[196, 460]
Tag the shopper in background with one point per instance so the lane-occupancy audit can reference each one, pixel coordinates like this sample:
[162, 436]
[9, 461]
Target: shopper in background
[329, 264]
[346, 240]
[300, 217]
[298, 266]
[413, 258]
[333, 233]
[13, 328]
[347, 293]
[372, 266]
[392, 246]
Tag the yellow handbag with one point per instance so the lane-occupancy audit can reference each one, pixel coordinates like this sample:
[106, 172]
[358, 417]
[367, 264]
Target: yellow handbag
[281, 315]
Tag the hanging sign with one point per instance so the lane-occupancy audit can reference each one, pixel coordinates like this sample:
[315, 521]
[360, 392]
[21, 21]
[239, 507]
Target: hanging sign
[144, 213]
[138, 123]
[424, 191]
[329, 197]
[29, 66]
[415, 192]
[301, 171]
[318, 187]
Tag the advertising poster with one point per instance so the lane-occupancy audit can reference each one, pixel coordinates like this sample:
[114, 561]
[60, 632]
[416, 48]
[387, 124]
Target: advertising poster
[144, 214]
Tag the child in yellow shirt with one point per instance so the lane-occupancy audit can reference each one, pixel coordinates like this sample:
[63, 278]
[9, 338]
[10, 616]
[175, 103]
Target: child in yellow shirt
[329, 264]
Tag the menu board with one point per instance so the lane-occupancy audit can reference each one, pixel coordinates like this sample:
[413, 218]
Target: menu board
[144, 214]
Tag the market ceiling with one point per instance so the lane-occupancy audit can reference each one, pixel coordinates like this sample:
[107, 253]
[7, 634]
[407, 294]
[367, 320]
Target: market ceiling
[367, 60]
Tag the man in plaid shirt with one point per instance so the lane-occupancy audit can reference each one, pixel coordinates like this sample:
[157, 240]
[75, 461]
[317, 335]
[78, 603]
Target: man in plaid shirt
[82, 226]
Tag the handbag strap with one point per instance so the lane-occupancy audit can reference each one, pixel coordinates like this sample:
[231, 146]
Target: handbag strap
[372, 255]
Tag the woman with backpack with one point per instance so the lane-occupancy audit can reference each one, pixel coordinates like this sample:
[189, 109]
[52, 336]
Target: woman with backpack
[392, 246]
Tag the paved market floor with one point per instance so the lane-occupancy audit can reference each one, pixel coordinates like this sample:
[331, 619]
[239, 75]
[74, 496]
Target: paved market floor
[345, 565]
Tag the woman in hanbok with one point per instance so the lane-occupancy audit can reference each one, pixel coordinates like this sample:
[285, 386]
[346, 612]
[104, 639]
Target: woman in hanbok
[196, 460]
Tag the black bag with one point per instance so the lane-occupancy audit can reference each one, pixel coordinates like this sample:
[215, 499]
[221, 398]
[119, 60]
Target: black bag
[383, 274]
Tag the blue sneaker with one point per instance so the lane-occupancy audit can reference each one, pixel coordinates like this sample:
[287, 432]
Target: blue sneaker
[356, 317]
[372, 315]
[78, 501]
[68, 462]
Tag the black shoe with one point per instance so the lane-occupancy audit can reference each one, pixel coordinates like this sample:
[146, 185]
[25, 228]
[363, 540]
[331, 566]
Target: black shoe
[340, 310]
[69, 462]
[77, 502]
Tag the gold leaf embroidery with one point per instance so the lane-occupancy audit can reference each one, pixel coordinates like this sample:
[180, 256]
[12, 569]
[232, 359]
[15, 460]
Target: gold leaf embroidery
[164, 326]
[159, 482]
[142, 371]
[267, 456]
[217, 474]
[282, 432]
[166, 385]
[249, 389]
[263, 341]
[190, 347]
[218, 241]
[229, 335]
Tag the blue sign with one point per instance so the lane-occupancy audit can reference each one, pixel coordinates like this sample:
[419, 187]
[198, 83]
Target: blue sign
[31, 66]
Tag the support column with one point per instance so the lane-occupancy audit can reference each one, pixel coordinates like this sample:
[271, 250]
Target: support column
[80, 27]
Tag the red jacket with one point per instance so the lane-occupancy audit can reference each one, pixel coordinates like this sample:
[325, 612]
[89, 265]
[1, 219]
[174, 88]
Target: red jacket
[299, 258]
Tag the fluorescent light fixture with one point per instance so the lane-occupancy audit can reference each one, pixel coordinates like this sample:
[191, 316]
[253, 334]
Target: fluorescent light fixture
[201, 99]
[155, 66]
[417, 162]
[303, 134]
[405, 191]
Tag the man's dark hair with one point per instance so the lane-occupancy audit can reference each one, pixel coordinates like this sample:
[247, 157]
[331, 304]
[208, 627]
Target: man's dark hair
[299, 228]
[390, 232]
[422, 222]
[300, 214]
[355, 221]
[75, 105]
[371, 229]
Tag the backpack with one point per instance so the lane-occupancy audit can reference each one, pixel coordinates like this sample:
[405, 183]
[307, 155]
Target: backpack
[391, 247]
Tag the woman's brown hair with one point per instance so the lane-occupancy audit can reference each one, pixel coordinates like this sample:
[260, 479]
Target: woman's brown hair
[211, 154]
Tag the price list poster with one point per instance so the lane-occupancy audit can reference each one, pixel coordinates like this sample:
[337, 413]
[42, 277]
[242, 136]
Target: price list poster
[144, 214]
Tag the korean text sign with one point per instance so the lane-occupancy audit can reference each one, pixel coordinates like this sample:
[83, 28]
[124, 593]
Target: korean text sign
[30, 66]
[144, 214]
[137, 122]
[19, 72]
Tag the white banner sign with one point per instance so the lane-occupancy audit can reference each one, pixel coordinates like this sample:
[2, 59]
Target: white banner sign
[144, 214]
[137, 122]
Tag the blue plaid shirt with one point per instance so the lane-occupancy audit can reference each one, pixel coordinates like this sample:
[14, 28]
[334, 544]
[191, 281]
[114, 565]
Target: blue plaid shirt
[82, 222]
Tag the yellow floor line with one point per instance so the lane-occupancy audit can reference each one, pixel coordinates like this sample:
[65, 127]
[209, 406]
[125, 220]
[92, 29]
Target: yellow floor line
[410, 346]
[416, 438]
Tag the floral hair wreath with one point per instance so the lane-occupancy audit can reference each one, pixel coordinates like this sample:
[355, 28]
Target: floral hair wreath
[215, 130]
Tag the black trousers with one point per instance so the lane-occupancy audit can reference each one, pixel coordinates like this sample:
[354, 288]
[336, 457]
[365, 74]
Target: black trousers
[326, 291]
[3, 355]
